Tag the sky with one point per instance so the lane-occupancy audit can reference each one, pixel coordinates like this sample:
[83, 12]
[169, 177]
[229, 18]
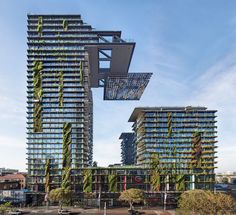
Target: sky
[188, 45]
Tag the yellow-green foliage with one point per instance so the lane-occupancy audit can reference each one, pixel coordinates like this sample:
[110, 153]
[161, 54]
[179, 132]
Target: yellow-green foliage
[60, 97]
[180, 182]
[81, 72]
[205, 202]
[66, 155]
[87, 180]
[169, 122]
[37, 117]
[5, 207]
[60, 195]
[66, 180]
[37, 79]
[196, 150]
[132, 196]
[47, 176]
[112, 183]
[65, 24]
[155, 180]
[37, 83]
[40, 25]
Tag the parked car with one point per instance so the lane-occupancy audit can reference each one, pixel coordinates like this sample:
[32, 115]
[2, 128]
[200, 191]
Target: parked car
[133, 212]
[15, 212]
[64, 212]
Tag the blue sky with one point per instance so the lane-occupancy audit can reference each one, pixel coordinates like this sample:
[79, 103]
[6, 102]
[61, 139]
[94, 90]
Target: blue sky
[190, 46]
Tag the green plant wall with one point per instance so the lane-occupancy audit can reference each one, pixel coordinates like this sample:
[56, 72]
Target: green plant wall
[66, 178]
[47, 176]
[155, 180]
[37, 117]
[196, 150]
[37, 84]
[60, 97]
[112, 183]
[180, 182]
[169, 124]
[65, 24]
[81, 73]
[87, 181]
[37, 79]
[40, 25]
[66, 156]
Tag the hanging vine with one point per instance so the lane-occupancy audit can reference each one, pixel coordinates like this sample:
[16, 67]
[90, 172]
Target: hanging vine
[180, 183]
[66, 155]
[40, 25]
[196, 150]
[66, 178]
[60, 86]
[47, 176]
[155, 180]
[112, 183]
[65, 24]
[169, 124]
[81, 72]
[155, 176]
[37, 115]
[87, 181]
[37, 84]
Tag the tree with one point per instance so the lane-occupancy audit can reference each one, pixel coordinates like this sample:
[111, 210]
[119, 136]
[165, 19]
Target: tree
[205, 202]
[60, 195]
[132, 196]
[4, 207]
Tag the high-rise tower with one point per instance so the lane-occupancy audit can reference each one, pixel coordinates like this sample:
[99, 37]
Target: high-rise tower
[128, 148]
[182, 140]
[66, 58]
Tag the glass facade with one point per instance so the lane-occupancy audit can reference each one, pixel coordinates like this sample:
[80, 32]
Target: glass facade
[58, 92]
[66, 58]
[182, 137]
[128, 148]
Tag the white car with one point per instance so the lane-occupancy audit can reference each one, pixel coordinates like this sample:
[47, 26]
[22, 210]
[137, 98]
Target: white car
[15, 212]
[64, 212]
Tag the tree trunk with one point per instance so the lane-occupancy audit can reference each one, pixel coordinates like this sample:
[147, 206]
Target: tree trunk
[47, 205]
[131, 205]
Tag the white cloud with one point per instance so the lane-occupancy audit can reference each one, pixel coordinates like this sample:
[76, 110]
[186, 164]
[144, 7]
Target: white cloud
[13, 152]
[217, 90]
[12, 132]
[11, 108]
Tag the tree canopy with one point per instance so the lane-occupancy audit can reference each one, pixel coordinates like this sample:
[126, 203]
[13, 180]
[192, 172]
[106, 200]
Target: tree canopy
[60, 195]
[4, 207]
[205, 202]
[132, 196]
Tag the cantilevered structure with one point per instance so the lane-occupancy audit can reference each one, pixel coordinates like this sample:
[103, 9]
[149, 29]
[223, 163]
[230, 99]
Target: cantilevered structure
[66, 59]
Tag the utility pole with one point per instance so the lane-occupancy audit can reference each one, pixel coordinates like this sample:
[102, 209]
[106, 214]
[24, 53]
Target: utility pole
[105, 208]
[166, 189]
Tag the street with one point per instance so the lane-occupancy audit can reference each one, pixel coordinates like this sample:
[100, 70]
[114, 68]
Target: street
[75, 211]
